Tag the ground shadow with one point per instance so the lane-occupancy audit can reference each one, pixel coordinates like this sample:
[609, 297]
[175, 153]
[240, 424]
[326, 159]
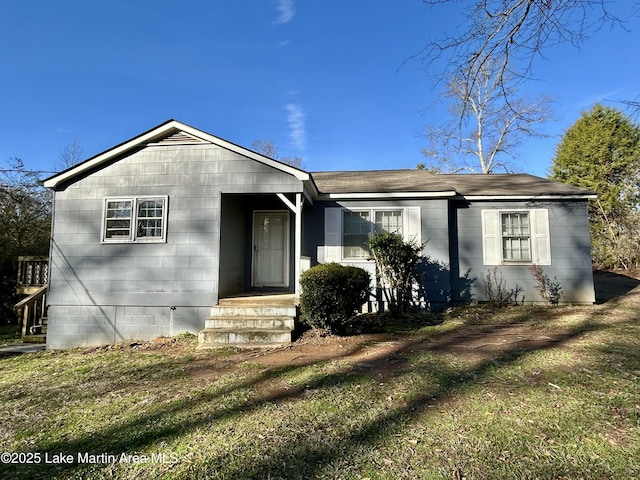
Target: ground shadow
[609, 285]
[314, 452]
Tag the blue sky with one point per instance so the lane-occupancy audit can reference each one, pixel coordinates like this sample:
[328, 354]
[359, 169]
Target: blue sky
[329, 81]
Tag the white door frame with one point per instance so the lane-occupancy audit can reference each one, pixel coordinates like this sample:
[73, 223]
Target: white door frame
[287, 250]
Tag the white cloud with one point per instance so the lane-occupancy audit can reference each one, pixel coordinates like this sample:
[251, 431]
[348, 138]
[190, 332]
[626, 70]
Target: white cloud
[287, 10]
[297, 130]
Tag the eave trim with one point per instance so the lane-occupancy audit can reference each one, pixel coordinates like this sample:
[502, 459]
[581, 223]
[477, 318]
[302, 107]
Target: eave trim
[384, 195]
[529, 197]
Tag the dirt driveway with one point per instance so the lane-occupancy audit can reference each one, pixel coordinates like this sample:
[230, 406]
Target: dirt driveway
[615, 294]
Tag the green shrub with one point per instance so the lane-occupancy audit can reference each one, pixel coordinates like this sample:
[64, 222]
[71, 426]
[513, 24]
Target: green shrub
[396, 261]
[332, 294]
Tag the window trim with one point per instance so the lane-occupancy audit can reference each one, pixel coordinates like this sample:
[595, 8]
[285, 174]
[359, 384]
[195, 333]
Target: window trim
[372, 214]
[528, 236]
[539, 236]
[133, 230]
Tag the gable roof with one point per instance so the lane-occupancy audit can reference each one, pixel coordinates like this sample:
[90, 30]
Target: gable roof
[344, 184]
[171, 132]
[419, 183]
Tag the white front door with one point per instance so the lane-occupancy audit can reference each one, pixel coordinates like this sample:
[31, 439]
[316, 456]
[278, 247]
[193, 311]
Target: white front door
[271, 249]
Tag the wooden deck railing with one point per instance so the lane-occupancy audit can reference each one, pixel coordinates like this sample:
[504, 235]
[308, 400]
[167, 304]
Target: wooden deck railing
[32, 312]
[32, 281]
[33, 272]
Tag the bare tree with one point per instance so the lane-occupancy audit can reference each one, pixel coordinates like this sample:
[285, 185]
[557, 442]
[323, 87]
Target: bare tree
[510, 35]
[631, 106]
[268, 149]
[25, 220]
[70, 155]
[265, 147]
[484, 129]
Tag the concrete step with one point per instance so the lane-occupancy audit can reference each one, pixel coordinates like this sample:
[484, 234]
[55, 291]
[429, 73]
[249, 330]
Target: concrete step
[250, 320]
[251, 299]
[253, 322]
[36, 338]
[39, 329]
[247, 337]
[253, 311]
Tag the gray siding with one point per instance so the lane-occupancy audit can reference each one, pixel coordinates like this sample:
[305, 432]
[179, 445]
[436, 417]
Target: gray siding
[434, 225]
[570, 251]
[77, 325]
[101, 292]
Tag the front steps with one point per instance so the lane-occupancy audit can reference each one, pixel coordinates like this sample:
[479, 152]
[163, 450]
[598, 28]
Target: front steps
[250, 321]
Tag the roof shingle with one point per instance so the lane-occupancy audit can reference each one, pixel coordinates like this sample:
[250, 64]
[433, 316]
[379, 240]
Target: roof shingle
[396, 181]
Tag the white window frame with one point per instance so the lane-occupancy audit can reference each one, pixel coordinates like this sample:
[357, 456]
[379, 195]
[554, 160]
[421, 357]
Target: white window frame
[343, 233]
[133, 236]
[406, 225]
[493, 240]
[519, 236]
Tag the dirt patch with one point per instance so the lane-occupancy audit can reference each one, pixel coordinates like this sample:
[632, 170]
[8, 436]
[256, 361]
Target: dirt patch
[381, 352]
[475, 342]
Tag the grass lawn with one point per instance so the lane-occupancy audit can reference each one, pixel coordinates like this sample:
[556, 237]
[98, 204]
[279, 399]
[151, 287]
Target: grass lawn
[526, 392]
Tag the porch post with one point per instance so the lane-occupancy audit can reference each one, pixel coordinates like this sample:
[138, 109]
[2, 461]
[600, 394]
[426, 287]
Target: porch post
[298, 244]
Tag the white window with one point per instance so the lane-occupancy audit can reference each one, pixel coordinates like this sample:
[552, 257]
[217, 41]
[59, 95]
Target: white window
[389, 221]
[515, 237]
[358, 224]
[357, 227]
[118, 220]
[347, 230]
[141, 219]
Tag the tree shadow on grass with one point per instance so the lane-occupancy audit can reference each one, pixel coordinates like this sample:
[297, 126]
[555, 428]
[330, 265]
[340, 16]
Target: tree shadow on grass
[301, 452]
[610, 285]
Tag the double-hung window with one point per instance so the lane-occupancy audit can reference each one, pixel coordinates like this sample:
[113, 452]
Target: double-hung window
[358, 225]
[516, 237]
[347, 230]
[136, 219]
[512, 237]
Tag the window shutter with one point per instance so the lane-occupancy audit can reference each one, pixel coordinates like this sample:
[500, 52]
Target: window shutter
[491, 237]
[413, 230]
[332, 234]
[540, 238]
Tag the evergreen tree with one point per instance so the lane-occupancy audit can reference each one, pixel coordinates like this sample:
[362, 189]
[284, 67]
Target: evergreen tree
[601, 151]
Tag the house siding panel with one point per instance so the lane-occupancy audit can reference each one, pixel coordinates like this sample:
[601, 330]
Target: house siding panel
[434, 219]
[96, 325]
[94, 284]
[570, 251]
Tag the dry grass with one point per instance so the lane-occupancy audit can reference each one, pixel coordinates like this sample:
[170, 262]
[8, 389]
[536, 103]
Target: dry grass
[524, 392]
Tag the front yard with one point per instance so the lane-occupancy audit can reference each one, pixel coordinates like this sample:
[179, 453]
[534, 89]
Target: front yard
[526, 392]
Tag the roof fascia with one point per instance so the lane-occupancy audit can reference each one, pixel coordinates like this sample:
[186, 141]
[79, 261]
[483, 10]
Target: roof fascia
[107, 155]
[529, 197]
[160, 131]
[384, 195]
